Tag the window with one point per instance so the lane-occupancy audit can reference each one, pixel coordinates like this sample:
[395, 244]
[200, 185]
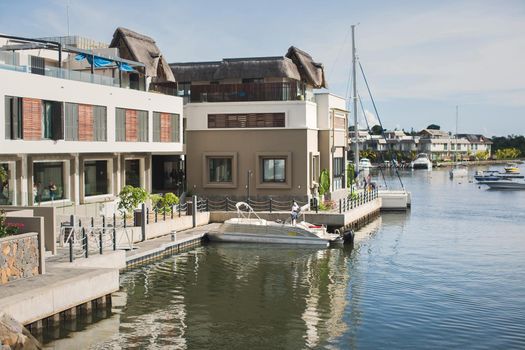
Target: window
[131, 125]
[5, 191]
[445, 146]
[52, 120]
[85, 122]
[96, 178]
[166, 127]
[132, 170]
[184, 89]
[252, 120]
[220, 170]
[274, 170]
[48, 180]
[338, 170]
[13, 118]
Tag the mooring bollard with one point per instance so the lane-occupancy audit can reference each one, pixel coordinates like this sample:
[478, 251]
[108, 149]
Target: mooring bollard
[114, 231]
[86, 244]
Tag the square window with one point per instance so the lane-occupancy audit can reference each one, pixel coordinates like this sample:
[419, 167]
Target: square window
[274, 170]
[96, 178]
[220, 170]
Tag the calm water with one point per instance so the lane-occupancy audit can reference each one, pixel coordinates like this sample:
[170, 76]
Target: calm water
[448, 274]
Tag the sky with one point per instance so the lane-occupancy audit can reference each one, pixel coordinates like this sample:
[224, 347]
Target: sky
[421, 58]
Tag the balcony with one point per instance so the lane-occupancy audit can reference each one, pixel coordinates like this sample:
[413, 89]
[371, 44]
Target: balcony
[246, 92]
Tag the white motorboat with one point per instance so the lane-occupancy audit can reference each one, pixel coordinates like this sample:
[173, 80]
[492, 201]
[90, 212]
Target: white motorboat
[248, 227]
[421, 162]
[506, 184]
[459, 170]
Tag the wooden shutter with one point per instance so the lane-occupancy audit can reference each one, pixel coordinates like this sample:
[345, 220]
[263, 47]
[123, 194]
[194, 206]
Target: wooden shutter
[175, 128]
[131, 125]
[99, 123]
[156, 127]
[142, 118]
[32, 118]
[165, 128]
[85, 122]
[120, 124]
[8, 115]
[71, 121]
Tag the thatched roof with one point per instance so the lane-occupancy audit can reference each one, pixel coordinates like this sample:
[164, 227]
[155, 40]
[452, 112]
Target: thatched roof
[297, 65]
[275, 67]
[312, 72]
[141, 48]
[194, 71]
[236, 68]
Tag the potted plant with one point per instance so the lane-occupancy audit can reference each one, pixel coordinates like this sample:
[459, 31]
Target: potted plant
[130, 198]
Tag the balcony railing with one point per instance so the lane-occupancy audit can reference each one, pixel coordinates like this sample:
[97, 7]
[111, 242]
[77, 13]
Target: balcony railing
[289, 91]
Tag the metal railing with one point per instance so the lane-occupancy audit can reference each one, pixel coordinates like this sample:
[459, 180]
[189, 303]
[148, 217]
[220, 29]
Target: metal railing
[285, 91]
[159, 214]
[360, 198]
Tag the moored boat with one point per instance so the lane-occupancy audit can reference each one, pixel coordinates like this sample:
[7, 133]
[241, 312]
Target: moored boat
[504, 185]
[248, 227]
[460, 170]
[512, 168]
[421, 162]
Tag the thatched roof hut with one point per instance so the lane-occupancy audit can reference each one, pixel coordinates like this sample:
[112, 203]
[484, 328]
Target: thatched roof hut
[141, 48]
[312, 72]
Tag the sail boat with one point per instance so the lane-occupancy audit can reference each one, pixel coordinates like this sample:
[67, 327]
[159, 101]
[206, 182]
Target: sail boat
[459, 170]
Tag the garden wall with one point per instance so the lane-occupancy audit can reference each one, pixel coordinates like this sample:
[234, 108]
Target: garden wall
[20, 257]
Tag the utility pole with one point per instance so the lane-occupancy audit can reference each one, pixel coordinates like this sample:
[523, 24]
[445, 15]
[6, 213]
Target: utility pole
[354, 104]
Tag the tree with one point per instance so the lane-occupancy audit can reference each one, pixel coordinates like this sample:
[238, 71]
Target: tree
[3, 175]
[376, 130]
[508, 153]
[434, 127]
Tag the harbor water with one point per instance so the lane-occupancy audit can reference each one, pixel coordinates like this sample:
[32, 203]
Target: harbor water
[450, 273]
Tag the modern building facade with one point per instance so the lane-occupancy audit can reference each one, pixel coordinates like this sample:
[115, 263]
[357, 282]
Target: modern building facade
[75, 133]
[255, 127]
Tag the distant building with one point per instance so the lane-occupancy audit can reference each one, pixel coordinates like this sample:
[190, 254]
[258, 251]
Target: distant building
[477, 143]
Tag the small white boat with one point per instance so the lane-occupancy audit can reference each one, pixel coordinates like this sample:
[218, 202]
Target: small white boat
[504, 185]
[364, 163]
[512, 168]
[248, 227]
[421, 162]
[459, 170]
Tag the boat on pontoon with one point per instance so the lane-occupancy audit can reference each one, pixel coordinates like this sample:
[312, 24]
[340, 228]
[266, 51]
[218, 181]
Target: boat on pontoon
[248, 227]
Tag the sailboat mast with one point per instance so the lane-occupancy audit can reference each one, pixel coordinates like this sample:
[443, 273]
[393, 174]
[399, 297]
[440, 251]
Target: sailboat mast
[354, 104]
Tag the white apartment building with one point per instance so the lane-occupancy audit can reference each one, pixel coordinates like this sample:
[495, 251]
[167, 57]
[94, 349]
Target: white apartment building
[75, 134]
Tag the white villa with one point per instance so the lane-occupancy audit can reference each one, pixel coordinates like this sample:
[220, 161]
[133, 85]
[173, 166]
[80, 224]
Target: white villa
[81, 119]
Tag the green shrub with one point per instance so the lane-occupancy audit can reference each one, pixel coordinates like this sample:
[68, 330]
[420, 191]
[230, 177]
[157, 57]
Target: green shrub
[130, 198]
[324, 182]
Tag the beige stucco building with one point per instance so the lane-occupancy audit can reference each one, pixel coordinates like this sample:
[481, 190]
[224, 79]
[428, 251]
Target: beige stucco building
[255, 128]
